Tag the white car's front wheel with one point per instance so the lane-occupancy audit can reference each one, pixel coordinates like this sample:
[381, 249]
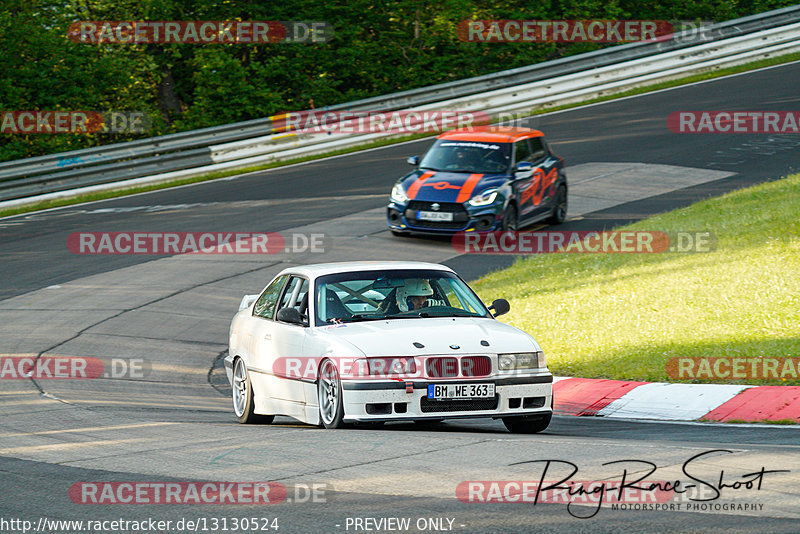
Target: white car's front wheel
[329, 395]
[243, 405]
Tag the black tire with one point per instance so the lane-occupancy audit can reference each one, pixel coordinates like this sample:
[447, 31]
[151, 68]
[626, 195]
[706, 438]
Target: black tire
[329, 396]
[531, 424]
[242, 392]
[559, 214]
[510, 219]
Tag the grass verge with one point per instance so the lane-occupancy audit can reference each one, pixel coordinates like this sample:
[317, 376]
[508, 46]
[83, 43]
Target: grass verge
[384, 142]
[624, 316]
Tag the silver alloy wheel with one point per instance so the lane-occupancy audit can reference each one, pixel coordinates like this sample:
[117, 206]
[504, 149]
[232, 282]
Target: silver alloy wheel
[239, 388]
[328, 390]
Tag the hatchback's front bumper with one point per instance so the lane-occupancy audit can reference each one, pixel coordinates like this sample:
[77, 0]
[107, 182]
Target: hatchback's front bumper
[402, 218]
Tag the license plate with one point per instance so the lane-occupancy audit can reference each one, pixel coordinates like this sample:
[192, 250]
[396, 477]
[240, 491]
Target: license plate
[460, 391]
[434, 216]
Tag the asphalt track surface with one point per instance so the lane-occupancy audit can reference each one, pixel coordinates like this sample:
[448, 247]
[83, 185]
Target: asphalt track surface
[32, 247]
[178, 427]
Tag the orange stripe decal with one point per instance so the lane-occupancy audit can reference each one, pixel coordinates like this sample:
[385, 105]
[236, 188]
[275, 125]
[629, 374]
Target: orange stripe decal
[466, 191]
[413, 188]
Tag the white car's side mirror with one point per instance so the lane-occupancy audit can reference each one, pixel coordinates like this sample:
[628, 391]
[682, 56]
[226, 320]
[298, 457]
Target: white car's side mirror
[500, 307]
[247, 300]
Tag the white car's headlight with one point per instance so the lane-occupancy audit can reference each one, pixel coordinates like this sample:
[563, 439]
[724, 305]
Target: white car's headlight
[399, 194]
[506, 361]
[483, 199]
[520, 360]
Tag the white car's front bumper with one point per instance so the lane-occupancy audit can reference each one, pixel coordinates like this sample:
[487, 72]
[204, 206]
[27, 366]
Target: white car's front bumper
[381, 400]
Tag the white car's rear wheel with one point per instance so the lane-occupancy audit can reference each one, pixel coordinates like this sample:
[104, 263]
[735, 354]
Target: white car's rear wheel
[329, 395]
[243, 405]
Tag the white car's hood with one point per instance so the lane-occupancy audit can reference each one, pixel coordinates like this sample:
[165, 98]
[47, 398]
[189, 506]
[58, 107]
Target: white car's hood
[396, 337]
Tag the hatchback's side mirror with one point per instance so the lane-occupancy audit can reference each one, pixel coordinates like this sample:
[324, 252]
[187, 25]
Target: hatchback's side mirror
[413, 160]
[524, 166]
[500, 306]
[290, 315]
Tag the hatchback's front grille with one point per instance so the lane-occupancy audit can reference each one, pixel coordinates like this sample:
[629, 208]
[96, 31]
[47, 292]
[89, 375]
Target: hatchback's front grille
[436, 225]
[443, 207]
[460, 216]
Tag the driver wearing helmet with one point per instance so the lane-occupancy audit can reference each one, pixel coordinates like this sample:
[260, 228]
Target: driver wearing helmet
[460, 160]
[414, 294]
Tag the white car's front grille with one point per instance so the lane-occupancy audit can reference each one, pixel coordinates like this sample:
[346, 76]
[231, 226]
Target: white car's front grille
[452, 367]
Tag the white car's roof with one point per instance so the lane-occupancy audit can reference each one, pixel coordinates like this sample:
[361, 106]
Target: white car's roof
[319, 269]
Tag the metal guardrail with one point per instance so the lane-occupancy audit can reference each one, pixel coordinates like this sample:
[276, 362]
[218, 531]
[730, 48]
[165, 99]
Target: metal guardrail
[251, 142]
[525, 98]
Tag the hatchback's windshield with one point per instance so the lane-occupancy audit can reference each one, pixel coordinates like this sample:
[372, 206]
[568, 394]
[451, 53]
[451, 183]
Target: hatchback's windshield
[467, 156]
[393, 294]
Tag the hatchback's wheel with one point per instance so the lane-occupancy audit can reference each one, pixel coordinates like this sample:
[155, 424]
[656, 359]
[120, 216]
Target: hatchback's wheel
[559, 214]
[509, 223]
[243, 404]
[329, 395]
[527, 424]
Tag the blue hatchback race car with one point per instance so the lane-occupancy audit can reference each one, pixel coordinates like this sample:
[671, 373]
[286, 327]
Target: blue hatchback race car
[480, 179]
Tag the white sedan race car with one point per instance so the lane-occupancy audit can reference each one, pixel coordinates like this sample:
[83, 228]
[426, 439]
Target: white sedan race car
[339, 343]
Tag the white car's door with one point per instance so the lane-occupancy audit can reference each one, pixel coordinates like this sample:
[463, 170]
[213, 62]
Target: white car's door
[276, 343]
[255, 336]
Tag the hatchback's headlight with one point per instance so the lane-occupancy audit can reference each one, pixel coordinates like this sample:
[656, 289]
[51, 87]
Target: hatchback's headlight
[520, 360]
[399, 194]
[483, 199]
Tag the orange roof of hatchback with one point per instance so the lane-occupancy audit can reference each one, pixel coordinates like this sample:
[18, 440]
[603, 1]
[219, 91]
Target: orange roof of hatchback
[488, 134]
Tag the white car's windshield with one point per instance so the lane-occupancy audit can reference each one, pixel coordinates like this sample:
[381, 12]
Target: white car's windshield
[467, 156]
[393, 294]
